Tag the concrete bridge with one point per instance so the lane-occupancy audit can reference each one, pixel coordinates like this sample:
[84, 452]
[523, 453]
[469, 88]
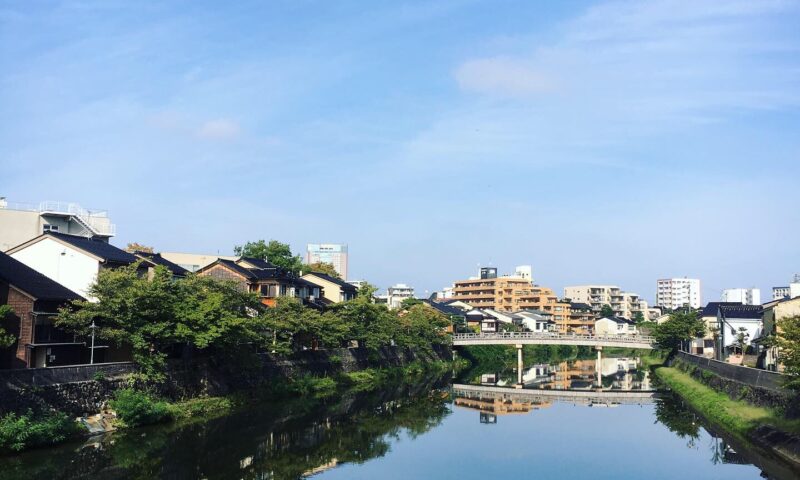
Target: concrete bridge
[552, 338]
[586, 397]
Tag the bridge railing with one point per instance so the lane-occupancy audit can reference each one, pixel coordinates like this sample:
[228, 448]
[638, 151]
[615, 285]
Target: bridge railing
[627, 338]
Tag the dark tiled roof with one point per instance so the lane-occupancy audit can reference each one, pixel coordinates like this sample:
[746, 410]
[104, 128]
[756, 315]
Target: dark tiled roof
[256, 274]
[741, 311]
[33, 283]
[446, 309]
[157, 259]
[338, 281]
[109, 253]
[710, 310]
[257, 262]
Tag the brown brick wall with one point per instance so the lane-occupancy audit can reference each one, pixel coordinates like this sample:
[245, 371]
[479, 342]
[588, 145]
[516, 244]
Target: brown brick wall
[23, 308]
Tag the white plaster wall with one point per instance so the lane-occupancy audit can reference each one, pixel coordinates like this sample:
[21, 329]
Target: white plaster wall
[753, 328]
[66, 265]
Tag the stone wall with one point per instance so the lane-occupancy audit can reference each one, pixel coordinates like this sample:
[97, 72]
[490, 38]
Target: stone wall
[785, 400]
[84, 389]
[751, 376]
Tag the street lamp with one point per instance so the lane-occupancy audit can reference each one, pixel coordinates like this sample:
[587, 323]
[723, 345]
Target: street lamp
[91, 352]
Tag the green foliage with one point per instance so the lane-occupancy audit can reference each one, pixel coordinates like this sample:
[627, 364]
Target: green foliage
[788, 341]
[638, 318]
[680, 327]
[321, 267]
[19, 432]
[606, 311]
[6, 339]
[318, 387]
[410, 302]
[152, 314]
[137, 408]
[99, 376]
[277, 253]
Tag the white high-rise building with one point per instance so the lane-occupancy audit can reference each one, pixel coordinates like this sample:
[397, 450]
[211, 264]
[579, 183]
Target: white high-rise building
[332, 253]
[791, 291]
[397, 293]
[675, 293]
[745, 296]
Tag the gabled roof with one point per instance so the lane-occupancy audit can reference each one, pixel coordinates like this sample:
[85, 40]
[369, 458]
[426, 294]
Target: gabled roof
[338, 281]
[256, 274]
[445, 309]
[710, 310]
[256, 262]
[157, 259]
[618, 320]
[106, 252]
[24, 278]
[741, 311]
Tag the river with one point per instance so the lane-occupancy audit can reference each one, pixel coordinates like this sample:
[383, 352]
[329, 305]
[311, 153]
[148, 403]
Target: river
[479, 426]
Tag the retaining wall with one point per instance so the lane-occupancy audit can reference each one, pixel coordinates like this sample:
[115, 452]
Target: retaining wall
[747, 375]
[81, 389]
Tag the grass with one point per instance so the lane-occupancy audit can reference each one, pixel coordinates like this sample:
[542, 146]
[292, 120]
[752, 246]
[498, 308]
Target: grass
[735, 416]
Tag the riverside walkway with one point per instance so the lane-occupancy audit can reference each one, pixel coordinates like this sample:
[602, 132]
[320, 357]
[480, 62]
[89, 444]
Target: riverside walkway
[552, 338]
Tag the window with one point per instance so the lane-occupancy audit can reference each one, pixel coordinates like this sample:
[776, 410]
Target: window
[50, 228]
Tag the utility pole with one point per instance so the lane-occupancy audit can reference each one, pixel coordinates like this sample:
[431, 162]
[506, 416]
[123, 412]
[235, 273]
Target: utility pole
[91, 352]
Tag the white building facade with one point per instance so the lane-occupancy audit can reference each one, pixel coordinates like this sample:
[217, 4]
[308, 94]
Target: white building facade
[745, 296]
[397, 293]
[624, 304]
[675, 293]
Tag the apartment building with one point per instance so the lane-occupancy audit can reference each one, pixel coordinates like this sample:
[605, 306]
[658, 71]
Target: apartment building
[675, 293]
[744, 296]
[332, 253]
[790, 291]
[20, 222]
[397, 293]
[624, 304]
[510, 294]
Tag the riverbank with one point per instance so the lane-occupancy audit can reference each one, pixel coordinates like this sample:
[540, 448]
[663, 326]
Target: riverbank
[762, 427]
[200, 391]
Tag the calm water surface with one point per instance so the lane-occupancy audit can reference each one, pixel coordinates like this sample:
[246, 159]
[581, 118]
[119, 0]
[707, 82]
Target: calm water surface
[475, 427]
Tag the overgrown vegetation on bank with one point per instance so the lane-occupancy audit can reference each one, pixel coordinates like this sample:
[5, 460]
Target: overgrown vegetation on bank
[21, 432]
[736, 416]
[155, 316]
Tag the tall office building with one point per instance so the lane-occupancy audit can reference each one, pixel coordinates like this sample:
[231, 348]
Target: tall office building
[332, 253]
[745, 296]
[675, 293]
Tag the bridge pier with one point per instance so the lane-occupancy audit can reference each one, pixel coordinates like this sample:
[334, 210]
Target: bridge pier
[520, 366]
[598, 368]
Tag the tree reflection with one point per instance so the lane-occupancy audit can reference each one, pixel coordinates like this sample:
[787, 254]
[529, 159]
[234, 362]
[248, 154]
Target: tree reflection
[673, 414]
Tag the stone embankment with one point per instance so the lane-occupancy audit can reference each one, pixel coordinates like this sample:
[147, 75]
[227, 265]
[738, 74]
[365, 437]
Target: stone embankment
[86, 389]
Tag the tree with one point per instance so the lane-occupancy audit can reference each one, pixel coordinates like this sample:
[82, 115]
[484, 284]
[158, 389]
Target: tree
[680, 327]
[6, 339]
[138, 247]
[606, 311]
[275, 252]
[742, 336]
[788, 342]
[638, 317]
[321, 267]
[409, 302]
[151, 315]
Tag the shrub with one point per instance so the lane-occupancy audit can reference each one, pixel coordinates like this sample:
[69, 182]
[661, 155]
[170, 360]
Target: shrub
[137, 408]
[99, 376]
[18, 432]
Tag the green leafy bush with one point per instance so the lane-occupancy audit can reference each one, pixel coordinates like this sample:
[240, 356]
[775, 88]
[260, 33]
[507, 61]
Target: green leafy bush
[19, 432]
[137, 408]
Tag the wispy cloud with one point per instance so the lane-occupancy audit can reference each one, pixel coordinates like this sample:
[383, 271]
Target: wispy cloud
[219, 129]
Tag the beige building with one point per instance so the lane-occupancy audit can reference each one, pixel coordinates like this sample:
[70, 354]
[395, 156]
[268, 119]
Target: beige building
[334, 290]
[624, 304]
[331, 253]
[511, 294]
[194, 261]
[20, 222]
[774, 312]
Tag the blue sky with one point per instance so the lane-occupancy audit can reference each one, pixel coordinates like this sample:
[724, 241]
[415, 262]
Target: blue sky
[610, 142]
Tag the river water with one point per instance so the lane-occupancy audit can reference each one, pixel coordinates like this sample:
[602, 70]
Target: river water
[560, 425]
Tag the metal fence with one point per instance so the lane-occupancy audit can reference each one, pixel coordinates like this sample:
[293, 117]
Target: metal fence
[750, 376]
